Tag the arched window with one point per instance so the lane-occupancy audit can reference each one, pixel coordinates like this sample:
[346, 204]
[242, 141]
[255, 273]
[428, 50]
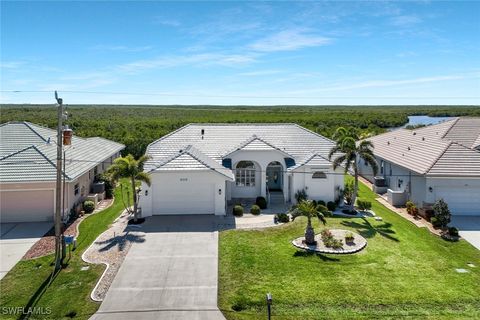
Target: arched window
[319, 175]
[245, 174]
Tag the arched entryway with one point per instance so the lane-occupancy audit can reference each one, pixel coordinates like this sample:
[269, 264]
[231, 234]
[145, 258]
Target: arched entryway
[274, 176]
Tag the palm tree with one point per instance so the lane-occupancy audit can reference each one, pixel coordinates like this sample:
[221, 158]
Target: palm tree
[308, 209]
[349, 153]
[128, 167]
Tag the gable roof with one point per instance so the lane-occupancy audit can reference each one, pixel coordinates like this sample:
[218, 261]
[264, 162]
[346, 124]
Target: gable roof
[434, 150]
[28, 153]
[313, 159]
[190, 158]
[219, 140]
[255, 143]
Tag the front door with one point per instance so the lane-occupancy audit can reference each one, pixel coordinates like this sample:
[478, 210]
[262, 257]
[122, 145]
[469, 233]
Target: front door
[274, 177]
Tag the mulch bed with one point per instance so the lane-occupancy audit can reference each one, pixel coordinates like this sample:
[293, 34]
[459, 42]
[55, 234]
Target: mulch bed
[46, 245]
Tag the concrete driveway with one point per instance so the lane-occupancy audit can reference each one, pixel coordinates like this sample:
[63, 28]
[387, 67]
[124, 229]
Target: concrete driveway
[469, 227]
[16, 239]
[173, 274]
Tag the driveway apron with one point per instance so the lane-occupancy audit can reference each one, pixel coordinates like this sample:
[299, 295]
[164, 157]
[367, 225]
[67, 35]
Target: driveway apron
[172, 275]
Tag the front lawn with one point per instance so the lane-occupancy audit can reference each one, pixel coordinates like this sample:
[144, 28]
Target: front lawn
[67, 295]
[403, 272]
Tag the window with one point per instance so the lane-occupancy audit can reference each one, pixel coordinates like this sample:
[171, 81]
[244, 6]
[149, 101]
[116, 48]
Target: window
[245, 174]
[319, 175]
[75, 189]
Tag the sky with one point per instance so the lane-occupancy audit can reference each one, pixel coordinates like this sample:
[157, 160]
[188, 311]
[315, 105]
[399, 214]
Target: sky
[241, 53]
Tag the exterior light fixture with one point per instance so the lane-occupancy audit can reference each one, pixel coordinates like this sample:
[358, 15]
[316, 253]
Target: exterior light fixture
[146, 193]
[430, 189]
[269, 305]
[220, 191]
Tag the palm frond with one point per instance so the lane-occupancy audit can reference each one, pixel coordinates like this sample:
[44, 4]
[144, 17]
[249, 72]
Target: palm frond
[144, 177]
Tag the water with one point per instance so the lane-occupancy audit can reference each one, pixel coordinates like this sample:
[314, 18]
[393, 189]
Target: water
[425, 120]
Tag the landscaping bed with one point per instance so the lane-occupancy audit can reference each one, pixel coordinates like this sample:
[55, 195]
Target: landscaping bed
[65, 294]
[404, 272]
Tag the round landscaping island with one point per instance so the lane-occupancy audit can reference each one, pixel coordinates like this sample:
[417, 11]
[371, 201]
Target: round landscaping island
[336, 241]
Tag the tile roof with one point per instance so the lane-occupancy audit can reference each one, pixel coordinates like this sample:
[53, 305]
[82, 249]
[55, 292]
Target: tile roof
[313, 159]
[190, 158]
[220, 140]
[28, 153]
[445, 149]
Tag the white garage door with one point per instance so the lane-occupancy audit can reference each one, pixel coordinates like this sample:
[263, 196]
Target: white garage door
[26, 206]
[461, 201]
[184, 198]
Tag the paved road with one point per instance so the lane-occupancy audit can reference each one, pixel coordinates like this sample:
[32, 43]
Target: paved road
[469, 227]
[16, 239]
[172, 275]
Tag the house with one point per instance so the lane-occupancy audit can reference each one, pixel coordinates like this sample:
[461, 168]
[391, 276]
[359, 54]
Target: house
[28, 170]
[201, 168]
[424, 165]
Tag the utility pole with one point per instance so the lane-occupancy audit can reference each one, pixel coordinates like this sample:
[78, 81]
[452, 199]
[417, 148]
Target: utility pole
[58, 188]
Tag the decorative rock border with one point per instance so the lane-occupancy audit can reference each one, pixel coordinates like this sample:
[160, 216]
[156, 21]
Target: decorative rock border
[359, 243]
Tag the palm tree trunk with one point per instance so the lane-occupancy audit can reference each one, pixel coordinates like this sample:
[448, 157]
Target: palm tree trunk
[135, 218]
[355, 189]
[309, 232]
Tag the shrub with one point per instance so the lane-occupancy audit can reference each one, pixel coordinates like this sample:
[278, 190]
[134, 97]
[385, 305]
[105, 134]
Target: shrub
[326, 233]
[255, 210]
[301, 195]
[435, 222]
[364, 205]
[453, 231]
[321, 202]
[333, 243]
[348, 192]
[442, 213]
[108, 185]
[88, 206]
[238, 211]
[261, 202]
[349, 237]
[331, 206]
[412, 208]
[283, 218]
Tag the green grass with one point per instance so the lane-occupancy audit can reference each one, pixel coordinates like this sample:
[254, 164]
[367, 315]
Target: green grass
[403, 272]
[27, 284]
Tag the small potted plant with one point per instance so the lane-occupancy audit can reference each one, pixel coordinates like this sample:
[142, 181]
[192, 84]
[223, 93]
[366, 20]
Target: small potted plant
[349, 238]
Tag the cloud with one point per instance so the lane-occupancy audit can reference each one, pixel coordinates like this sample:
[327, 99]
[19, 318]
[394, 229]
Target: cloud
[259, 73]
[204, 59]
[121, 48]
[11, 64]
[289, 40]
[167, 22]
[405, 20]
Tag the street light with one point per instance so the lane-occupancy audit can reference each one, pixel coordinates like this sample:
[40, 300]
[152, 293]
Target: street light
[269, 304]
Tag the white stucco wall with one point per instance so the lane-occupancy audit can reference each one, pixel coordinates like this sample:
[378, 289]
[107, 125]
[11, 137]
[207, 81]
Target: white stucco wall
[317, 189]
[184, 192]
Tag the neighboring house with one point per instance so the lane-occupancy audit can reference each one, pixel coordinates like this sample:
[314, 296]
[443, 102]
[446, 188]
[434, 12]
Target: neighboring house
[200, 168]
[431, 163]
[28, 155]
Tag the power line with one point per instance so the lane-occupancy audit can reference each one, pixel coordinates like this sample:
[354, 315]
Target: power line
[232, 96]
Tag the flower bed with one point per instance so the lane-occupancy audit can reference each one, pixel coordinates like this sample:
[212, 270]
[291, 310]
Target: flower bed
[336, 241]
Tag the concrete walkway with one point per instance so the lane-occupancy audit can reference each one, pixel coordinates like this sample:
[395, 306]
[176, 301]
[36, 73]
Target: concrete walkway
[173, 274]
[469, 228]
[16, 239]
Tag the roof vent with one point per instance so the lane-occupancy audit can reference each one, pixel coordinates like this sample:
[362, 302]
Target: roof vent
[388, 142]
[423, 138]
[203, 132]
[48, 140]
[408, 148]
[414, 133]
